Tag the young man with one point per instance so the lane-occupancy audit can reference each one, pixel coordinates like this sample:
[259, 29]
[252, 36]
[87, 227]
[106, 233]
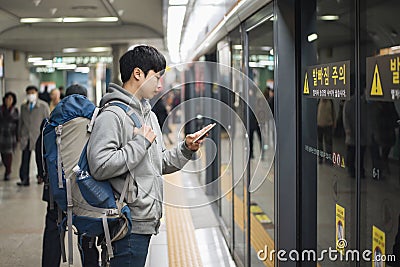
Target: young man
[117, 149]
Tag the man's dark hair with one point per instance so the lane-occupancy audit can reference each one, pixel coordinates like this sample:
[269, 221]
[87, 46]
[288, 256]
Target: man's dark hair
[143, 57]
[76, 89]
[14, 97]
[31, 87]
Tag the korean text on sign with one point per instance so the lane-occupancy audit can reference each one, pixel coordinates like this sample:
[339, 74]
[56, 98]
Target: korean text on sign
[394, 68]
[339, 72]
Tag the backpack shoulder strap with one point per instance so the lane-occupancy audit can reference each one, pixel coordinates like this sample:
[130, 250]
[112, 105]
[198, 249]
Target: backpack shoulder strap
[129, 111]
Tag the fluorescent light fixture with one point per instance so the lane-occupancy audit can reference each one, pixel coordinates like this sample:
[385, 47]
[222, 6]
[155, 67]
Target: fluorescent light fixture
[266, 62]
[40, 20]
[70, 50]
[67, 67]
[68, 20]
[329, 17]
[98, 49]
[43, 63]
[178, 2]
[82, 69]
[34, 59]
[265, 48]
[176, 15]
[237, 47]
[81, 19]
[312, 37]
[59, 64]
[255, 65]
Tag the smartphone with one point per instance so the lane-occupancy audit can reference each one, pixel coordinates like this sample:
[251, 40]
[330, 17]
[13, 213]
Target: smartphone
[205, 132]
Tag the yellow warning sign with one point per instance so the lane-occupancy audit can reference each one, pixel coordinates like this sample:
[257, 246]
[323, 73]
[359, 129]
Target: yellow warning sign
[376, 88]
[378, 246]
[341, 242]
[306, 90]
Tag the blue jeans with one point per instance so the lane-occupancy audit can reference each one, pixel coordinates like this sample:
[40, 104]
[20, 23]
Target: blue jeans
[130, 251]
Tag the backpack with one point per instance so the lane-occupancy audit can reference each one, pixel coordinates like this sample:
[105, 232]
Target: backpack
[90, 205]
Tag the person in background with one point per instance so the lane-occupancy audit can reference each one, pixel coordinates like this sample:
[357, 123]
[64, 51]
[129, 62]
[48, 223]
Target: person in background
[8, 131]
[326, 123]
[51, 252]
[161, 112]
[45, 96]
[62, 94]
[33, 112]
[54, 98]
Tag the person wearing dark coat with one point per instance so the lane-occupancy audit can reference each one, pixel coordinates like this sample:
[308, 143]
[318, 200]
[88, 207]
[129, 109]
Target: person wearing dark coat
[8, 131]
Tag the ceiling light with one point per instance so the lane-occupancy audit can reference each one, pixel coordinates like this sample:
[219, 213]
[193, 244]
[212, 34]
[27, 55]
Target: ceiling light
[312, 37]
[328, 17]
[34, 59]
[70, 50]
[82, 69]
[68, 20]
[81, 19]
[68, 67]
[40, 20]
[98, 49]
[176, 15]
[178, 2]
[43, 63]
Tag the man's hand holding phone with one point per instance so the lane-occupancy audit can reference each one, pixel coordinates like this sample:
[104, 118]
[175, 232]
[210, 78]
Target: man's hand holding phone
[194, 140]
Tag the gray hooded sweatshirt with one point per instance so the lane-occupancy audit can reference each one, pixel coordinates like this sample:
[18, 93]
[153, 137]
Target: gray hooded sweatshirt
[114, 153]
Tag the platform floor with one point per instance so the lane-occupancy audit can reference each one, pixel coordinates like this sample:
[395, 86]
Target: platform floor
[22, 214]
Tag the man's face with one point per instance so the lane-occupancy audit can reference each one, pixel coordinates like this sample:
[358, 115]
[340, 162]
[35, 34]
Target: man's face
[151, 85]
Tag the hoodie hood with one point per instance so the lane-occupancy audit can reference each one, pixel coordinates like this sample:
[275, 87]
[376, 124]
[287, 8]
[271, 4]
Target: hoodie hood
[117, 93]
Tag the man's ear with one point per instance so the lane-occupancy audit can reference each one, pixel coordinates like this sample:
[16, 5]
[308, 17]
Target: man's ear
[136, 73]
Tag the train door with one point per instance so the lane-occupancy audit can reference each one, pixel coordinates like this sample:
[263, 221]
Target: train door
[328, 129]
[261, 133]
[379, 136]
[350, 61]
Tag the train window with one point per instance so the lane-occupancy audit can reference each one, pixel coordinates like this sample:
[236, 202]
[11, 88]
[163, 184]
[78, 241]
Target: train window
[261, 134]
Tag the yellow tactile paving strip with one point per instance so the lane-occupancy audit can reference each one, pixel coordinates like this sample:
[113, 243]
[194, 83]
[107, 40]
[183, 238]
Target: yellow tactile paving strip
[259, 237]
[182, 246]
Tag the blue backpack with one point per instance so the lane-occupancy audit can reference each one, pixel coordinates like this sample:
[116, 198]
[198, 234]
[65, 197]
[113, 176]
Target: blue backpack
[90, 205]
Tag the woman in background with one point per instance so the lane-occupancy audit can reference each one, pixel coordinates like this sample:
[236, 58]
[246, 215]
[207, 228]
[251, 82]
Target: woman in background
[8, 130]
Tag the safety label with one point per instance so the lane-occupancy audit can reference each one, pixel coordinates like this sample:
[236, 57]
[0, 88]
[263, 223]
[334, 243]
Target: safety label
[329, 81]
[383, 78]
[340, 226]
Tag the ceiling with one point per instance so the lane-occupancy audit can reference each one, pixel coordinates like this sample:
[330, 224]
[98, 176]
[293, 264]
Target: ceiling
[138, 22]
